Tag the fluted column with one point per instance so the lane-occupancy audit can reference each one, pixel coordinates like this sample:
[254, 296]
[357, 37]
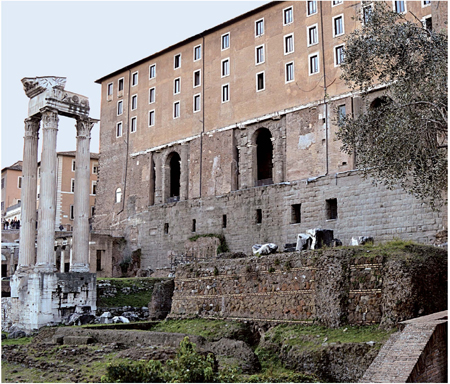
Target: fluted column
[47, 202]
[27, 250]
[80, 262]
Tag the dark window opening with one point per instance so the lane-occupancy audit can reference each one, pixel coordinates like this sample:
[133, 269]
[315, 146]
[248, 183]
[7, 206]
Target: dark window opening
[331, 207]
[194, 225]
[224, 221]
[99, 260]
[258, 216]
[295, 213]
[66, 267]
[4, 270]
[175, 173]
[264, 153]
[166, 228]
[120, 84]
[429, 24]
[152, 183]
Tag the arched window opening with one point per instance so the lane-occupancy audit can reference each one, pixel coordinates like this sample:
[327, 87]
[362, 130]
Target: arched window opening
[175, 173]
[118, 195]
[379, 102]
[152, 182]
[264, 157]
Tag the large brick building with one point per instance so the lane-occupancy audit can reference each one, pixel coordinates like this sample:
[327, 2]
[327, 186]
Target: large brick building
[232, 131]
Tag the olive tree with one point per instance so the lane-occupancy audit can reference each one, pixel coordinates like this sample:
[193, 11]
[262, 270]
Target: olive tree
[401, 137]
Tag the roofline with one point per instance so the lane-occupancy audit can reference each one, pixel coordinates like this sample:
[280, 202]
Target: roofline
[188, 40]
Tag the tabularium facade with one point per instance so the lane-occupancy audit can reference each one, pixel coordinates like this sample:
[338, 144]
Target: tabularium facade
[232, 131]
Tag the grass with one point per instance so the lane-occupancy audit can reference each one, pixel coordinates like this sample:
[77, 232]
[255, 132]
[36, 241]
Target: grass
[210, 329]
[19, 341]
[134, 292]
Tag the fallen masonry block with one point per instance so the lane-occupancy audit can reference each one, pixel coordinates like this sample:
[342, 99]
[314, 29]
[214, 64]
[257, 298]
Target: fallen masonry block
[361, 240]
[264, 249]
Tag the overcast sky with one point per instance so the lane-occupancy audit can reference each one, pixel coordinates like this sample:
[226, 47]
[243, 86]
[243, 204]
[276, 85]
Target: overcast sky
[83, 41]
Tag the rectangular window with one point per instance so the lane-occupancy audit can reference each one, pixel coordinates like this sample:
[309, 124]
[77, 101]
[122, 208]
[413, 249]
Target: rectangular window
[259, 27]
[73, 165]
[119, 108]
[260, 82]
[338, 55]
[312, 8]
[259, 54]
[367, 13]
[119, 130]
[95, 168]
[295, 214]
[197, 103]
[225, 93]
[166, 228]
[94, 187]
[400, 6]
[72, 185]
[288, 44]
[338, 26]
[288, 16]
[151, 118]
[313, 35]
[177, 61]
[133, 124]
[194, 225]
[3, 182]
[176, 110]
[92, 211]
[197, 52]
[72, 216]
[197, 78]
[426, 3]
[109, 89]
[151, 95]
[176, 86]
[428, 23]
[134, 79]
[99, 260]
[133, 102]
[3, 206]
[289, 72]
[313, 64]
[258, 216]
[19, 182]
[225, 41]
[336, 2]
[224, 221]
[341, 113]
[225, 67]
[152, 71]
[120, 87]
[331, 209]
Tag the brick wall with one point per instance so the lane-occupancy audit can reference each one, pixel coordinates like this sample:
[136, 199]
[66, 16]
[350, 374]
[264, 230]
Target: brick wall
[334, 286]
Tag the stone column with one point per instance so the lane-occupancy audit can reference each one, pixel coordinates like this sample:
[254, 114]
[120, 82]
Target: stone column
[80, 262]
[158, 178]
[184, 168]
[61, 266]
[47, 203]
[27, 251]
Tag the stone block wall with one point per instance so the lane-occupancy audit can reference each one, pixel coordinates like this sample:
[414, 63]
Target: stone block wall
[333, 287]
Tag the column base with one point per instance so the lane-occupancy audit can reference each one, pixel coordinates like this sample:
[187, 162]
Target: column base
[79, 267]
[47, 268]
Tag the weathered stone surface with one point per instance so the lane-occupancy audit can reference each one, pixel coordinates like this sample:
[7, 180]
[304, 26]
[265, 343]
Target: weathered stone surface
[161, 303]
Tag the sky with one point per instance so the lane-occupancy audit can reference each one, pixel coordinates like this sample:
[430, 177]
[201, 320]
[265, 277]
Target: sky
[84, 41]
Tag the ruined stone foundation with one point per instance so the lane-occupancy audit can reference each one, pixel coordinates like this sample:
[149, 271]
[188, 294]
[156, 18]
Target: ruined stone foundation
[45, 298]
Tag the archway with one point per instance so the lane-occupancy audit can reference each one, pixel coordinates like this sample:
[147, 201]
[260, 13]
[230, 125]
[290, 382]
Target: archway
[264, 157]
[174, 176]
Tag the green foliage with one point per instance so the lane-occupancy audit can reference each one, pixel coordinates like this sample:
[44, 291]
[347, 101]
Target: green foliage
[223, 246]
[282, 377]
[19, 341]
[135, 292]
[189, 366]
[134, 372]
[400, 138]
[271, 269]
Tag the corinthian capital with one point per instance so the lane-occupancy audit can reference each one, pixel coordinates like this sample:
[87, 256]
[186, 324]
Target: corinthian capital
[84, 126]
[50, 118]
[31, 127]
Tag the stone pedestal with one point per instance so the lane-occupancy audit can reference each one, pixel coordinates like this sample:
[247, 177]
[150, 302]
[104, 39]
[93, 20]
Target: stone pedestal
[43, 298]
